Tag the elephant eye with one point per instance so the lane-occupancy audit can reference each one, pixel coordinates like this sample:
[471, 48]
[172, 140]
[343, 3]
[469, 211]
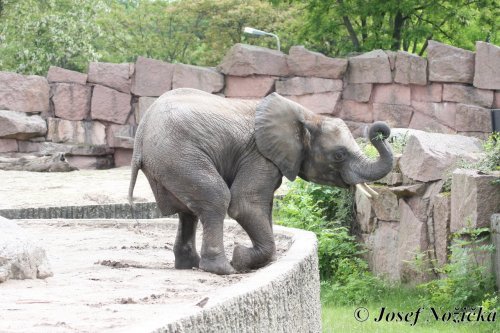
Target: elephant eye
[339, 155]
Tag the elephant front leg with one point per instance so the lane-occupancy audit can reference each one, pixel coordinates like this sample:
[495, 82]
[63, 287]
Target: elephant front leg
[185, 253]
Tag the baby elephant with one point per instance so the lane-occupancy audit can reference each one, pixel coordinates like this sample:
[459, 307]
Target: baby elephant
[205, 156]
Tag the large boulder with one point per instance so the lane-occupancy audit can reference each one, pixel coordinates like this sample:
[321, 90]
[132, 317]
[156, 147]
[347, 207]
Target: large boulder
[449, 64]
[8, 145]
[51, 148]
[424, 122]
[474, 198]
[307, 85]
[495, 236]
[58, 75]
[303, 62]
[35, 163]
[471, 118]
[110, 105]
[244, 60]
[19, 125]
[142, 106]
[410, 69]
[444, 113]
[115, 76]
[396, 115]
[441, 218]
[254, 86]
[357, 92]
[355, 111]
[440, 151]
[23, 93]
[20, 256]
[71, 101]
[318, 103]
[370, 67]
[202, 78]
[120, 136]
[383, 255]
[467, 95]
[152, 77]
[76, 132]
[487, 66]
[91, 162]
[429, 93]
[122, 157]
[392, 94]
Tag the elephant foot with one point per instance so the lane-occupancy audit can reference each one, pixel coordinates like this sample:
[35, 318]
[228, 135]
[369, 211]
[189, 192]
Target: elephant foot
[217, 265]
[245, 259]
[187, 262]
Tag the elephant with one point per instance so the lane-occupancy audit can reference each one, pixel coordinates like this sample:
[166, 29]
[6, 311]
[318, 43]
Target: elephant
[206, 156]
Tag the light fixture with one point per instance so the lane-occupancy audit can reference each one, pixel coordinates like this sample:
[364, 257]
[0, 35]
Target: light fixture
[260, 33]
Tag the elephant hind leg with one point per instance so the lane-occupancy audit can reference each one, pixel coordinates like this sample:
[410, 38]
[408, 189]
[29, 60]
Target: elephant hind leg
[185, 253]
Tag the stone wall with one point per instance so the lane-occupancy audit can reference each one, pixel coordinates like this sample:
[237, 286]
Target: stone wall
[93, 117]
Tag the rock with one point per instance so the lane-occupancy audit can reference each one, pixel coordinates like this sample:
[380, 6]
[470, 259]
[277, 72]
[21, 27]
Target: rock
[392, 94]
[385, 205]
[307, 85]
[8, 145]
[441, 151]
[467, 95]
[410, 69]
[395, 115]
[370, 67]
[449, 64]
[19, 125]
[303, 62]
[392, 59]
[445, 113]
[318, 103]
[487, 66]
[58, 74]
[365, 216]
[152, 77]
[426, 123]
[422, 205]
[357, 92]
[91, 162]
[429, 93]
[441, 217]
[50, 148]
[495, 237]
[358, 129]
[202, 78]
[407, 191]
[110, 105]
[473, 119]
[354, 111]
[474, 198]
[496, 101]
[120, 136]
[23, 93]
[77, 132]
[71, 101]
[115, 76]
[391, 179]
[142, 106]
[123, 157]
[20, 256]
[255, 86]
[383, 251]
[35, 163]
[244, 60]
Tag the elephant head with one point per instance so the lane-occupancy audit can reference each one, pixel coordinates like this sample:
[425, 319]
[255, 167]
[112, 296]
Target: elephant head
[318, 148]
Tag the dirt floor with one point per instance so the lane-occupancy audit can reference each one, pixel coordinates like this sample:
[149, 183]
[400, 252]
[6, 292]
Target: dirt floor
[110, 275]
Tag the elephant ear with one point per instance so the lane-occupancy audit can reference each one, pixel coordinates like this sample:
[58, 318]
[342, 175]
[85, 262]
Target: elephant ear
[279, 133]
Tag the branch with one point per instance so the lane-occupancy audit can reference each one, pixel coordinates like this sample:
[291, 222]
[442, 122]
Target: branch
[350, 29]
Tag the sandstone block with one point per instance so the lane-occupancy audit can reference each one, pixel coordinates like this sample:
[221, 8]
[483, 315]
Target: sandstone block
[152, 77]
[396, 115]
[385, 205]
[255, 86]
[71, 101]
[202, 78]
[120, 136]
[357, 92]
[474, 198]
[392, 59]
[429, 93]
[307, 85]
[142, 106]
[467, 95]
[8, 145]
[495, 237]
[110, 105]
[58, 75]
[115, 76]
[23, 93]
[496, 101]
[392, 94]
[391, 179]
[20, 256]
[91, 162]
[365, 216]
[383, 257]
[52, 148]
[445, 113]
[354, 111]
[449, 64]
[123, 157]
[410, 69]
[19, 125]
[244, 60]
[471, 118]
[408, 191]
[76, 132]
[426, 123]
[318, 103]
[303, 62]
[441, 216]
[422, 205]
[441, 151]
[487, 66]
[370, 67]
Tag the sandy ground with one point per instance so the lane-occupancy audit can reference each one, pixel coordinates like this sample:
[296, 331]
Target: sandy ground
[108, 276]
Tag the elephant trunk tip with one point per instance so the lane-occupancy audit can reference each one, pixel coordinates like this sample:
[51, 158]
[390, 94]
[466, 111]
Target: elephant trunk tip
[379, 131]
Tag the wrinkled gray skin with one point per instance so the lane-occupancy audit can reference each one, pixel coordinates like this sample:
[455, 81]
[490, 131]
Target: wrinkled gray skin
[204, 155]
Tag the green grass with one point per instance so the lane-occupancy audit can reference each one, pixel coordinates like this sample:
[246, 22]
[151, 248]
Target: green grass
[341, 318]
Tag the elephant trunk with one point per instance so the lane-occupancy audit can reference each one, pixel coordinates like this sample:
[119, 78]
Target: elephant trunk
[362, 168]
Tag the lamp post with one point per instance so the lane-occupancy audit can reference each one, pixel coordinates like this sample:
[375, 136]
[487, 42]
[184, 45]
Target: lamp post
[260, 33]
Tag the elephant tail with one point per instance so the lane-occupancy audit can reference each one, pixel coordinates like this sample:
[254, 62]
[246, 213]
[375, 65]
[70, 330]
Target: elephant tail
[136, 166]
